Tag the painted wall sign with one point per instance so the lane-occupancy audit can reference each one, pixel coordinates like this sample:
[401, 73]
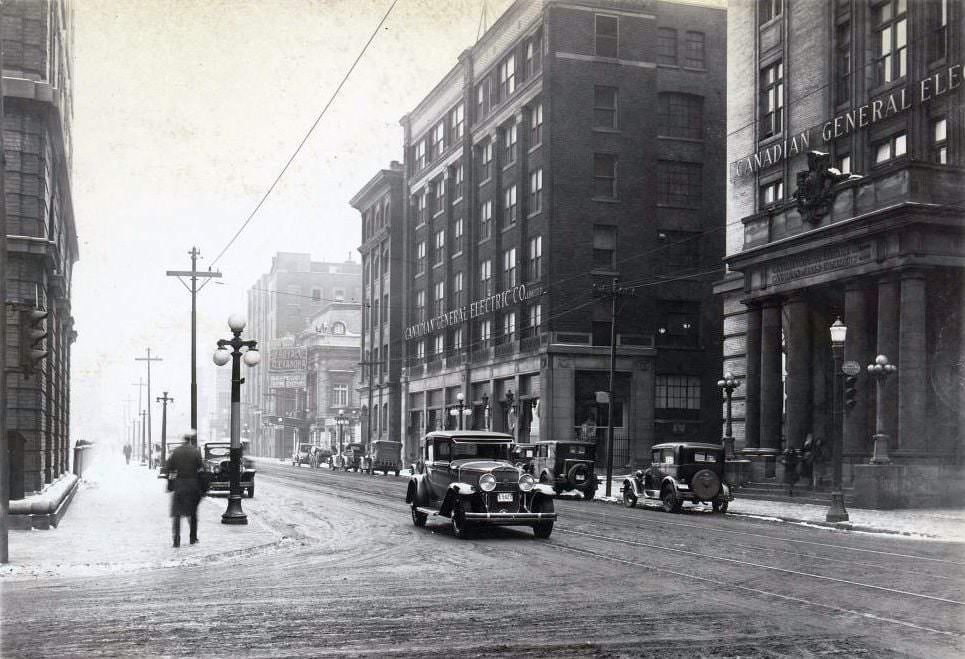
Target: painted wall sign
[846, 123]
[288, 359]
[481, 307]
[286, 380]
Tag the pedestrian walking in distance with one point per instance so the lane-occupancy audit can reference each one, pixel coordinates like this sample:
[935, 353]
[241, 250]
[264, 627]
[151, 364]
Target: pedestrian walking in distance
[127, 453]
[185, 473]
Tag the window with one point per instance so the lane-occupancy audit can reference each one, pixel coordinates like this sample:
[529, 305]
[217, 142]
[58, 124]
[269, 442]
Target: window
[607, 40]
[509, 326]
[678, 184]
[509, 143]
[385, 308]
[536, 131]
[891, 148]
[604, 107]
[536, 191]
[420, 350]
[772, 192]
[507, 77]
[772, 100]
[439, 139]
[439, 298]
[844, 163]
[534, 55]
[385, 261]
[458, 291]
[680, 251]
[604, 247]
[485, 219]
[438, 345]
[420, 305]
[439, 188]
[509, 268]
[339, 295]
[694, 50]
[375, 313]
[667, 46]
[482, 99]
[843, 63]
[316, 294]
[339, 395]
[420, 255]
[420, 155]
[535, 318]
[938, 19]
[536, 258]
[338, 328]
[455, 339]
[681, 115]
[605, 175]
[457, 122]
[485, 332]
[486, 277]
[457, 236]
[768, 9]
[440, 250]
[890, 40]
[459, 182]
[486, 161]
[677, 324]
[677, 392]
[510, 206]
[421, 213]
[939, 147]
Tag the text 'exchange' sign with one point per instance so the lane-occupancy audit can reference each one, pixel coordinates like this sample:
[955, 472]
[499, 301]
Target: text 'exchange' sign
[482, 307]
[846, 123]
[288, 368]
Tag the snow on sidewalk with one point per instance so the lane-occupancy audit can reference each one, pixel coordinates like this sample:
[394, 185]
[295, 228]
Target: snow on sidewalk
[118, 522]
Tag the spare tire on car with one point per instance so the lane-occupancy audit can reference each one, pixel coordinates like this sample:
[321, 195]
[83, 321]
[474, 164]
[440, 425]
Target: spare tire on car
[705, 484]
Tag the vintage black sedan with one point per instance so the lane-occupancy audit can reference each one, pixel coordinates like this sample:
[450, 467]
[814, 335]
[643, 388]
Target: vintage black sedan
[469, 477]
[217, 462]
[679, 472]
[566, 465]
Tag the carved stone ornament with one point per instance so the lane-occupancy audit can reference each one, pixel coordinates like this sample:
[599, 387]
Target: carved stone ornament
[813, 194]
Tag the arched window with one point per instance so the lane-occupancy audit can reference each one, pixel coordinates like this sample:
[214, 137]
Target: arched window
[338, 328]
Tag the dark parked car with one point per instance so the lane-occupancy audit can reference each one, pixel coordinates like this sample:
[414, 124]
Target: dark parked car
[386, 456]
[216, 463]
[352, 457]
[679, 472]
[302, 454]
[469, 477]
[566, 465]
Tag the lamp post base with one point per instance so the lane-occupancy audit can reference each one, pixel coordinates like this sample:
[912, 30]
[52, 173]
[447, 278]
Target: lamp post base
[234, 514]
[837, 511]
[728, 442]
[880, 455]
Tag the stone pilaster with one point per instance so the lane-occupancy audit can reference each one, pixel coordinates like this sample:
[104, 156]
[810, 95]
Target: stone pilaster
[798, 336]
[887, 344]
[772, 391]
[912, 366]
[752, 393]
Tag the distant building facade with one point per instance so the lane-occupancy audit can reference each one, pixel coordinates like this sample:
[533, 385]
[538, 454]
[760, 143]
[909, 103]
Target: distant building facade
[875, 89]
[575, 143]
[280, 304]
[380, 204]
[37, 38]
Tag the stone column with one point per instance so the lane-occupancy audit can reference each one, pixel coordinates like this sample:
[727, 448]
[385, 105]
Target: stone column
[821, 385]
[858, 348]
[797, 331]
[912, 373]
[752, 393]
[888, 345]
[772, 391]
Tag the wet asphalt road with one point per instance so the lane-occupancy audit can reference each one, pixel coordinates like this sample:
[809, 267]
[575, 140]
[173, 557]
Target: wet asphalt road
[356, 577]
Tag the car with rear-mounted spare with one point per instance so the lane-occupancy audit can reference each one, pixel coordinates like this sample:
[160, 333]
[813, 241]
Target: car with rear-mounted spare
[566, 465]
[469, 477]
[681, 472]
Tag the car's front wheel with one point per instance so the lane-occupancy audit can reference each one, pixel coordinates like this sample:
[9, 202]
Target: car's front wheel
[418, 518]
[629, 498]
[671, 503]
[460, 527]
[543, 530]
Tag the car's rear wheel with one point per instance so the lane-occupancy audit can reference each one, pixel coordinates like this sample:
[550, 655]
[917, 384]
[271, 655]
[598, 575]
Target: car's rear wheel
[460, 527]
[720, 505]
[671, 503]
[543, 530]
[589, 493]
[418, 518]
[629, 498]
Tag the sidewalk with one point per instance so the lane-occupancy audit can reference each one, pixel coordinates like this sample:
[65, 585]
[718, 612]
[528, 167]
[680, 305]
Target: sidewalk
[944, 524]
[119, 522]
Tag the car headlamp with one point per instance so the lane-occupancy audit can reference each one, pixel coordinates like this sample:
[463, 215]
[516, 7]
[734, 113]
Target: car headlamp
[526, 482]
[487, 482]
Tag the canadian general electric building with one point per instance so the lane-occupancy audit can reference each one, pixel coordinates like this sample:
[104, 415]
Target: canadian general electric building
[845, 195]
[573, 144]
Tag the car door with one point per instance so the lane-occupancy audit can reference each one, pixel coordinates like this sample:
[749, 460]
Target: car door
[651, 477]
[438, 466]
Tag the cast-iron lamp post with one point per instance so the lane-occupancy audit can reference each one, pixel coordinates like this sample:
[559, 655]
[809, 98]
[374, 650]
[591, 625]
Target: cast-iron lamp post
[837, 512]
[880, 370]
[485, 402]
[460, 412]
[728, 384]
[340, 420]
[234, 514]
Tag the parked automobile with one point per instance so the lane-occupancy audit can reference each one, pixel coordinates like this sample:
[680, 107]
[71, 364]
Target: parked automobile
[681, 472]
[302, 454]
[350, 458]
[319, 456]
[217, 462]
[469, 477]
[566, 465]
[386, 456]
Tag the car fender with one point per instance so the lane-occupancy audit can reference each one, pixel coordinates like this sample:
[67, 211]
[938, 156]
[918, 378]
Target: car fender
[455, 491]
[412, 491]
[541, 488]
[547, 476]
[672, 482]
[628, 484]
[725, 491]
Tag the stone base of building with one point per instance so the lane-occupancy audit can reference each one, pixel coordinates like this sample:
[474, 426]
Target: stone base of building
[45, 509]
[909, 486]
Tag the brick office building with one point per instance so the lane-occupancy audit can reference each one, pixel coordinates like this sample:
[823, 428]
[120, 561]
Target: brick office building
[574, 143]
[380, 204]
[876, 86]
[280, 305]
[42, 239]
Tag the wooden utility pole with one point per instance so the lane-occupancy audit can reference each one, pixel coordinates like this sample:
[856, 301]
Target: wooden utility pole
[4, 446]
[140, 385]
[164, 400]
[150, 442]
[193, 274]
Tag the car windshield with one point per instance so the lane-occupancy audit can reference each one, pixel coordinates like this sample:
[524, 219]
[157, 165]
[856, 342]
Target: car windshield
[461, 450]
[216, 451]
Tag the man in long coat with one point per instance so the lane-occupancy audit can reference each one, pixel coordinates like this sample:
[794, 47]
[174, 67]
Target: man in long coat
[186, 469]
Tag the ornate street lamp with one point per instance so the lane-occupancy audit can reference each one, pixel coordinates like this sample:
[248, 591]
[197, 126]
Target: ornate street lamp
[485, 402]
[234, 514]
[728, 384]
[880, 370]
[460, 412]
[837, 512]
[340, 420]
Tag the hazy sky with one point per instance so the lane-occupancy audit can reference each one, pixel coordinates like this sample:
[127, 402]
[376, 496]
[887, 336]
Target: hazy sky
[184, 112]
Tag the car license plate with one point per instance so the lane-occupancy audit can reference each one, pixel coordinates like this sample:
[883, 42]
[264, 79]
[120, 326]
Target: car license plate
[580, 477]
[504, 497]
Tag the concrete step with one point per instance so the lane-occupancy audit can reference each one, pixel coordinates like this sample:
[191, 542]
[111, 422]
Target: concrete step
[774, 491]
